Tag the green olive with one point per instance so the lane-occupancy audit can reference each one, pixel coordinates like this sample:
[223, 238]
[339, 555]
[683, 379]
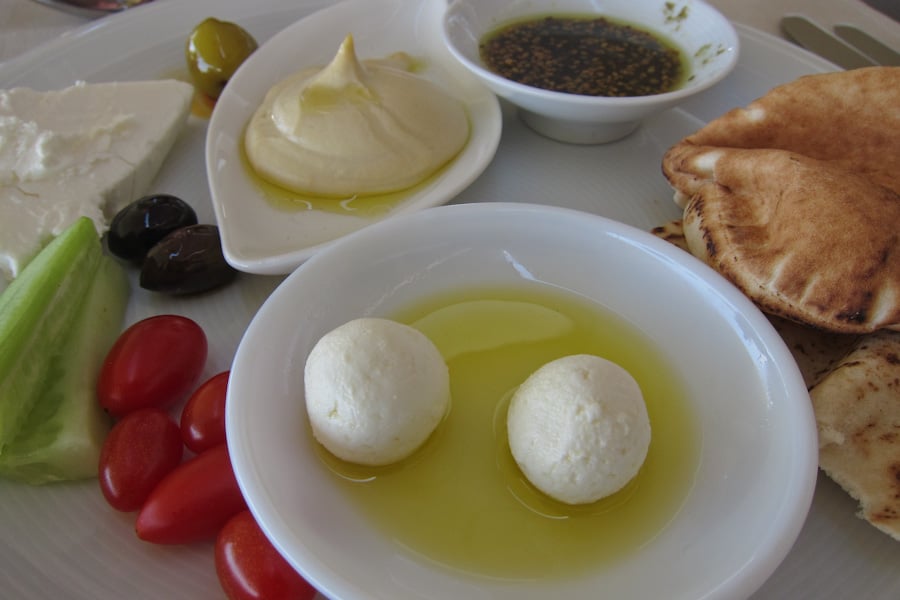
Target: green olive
[215, 49]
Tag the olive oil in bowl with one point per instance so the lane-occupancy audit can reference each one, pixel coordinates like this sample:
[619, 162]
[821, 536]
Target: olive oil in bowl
[591, 56]
[462, 502]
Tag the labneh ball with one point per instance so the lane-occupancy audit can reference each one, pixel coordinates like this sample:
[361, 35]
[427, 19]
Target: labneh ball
[375, 390]
[578, 428]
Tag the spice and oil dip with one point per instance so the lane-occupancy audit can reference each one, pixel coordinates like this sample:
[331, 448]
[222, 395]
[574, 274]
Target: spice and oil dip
[593, 56]
[354, 128]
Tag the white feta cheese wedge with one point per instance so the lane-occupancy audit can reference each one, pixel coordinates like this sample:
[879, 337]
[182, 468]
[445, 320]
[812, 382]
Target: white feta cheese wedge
[86, 150]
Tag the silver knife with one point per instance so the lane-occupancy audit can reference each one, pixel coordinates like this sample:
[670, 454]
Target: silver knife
[871, 47]
[816, 39]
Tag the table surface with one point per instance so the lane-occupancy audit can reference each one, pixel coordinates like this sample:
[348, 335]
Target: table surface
[25, 25]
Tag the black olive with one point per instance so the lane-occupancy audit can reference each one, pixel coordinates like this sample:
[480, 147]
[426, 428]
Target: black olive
[187, 261]
[140, 225]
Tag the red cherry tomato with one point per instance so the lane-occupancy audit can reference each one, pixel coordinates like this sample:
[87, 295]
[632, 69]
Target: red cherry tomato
[203, 416]
[137, 453]
[193, 502]
[250, 568]
[155, 362]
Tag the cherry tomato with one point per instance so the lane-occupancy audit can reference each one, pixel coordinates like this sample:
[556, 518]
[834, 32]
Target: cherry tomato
[193, 502]
[250, 568]
[137, 453]
[155, 362]
[203, 416]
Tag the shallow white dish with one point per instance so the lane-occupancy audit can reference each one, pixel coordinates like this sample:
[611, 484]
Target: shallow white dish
[64, 542]
[706, 38]
[260, 237]
[759, 451]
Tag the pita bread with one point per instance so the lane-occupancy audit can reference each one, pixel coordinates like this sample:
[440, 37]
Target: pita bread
[857, 407]
[672, 232]
[805, 240]
[850, 119]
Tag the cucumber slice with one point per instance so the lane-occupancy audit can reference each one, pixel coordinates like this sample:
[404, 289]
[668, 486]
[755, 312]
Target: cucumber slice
[36, 312]
[62, 435]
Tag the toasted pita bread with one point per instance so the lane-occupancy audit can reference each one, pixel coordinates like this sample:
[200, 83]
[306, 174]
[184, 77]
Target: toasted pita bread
[805, 240]
[672, 232]
[857, 407]
[850, 119]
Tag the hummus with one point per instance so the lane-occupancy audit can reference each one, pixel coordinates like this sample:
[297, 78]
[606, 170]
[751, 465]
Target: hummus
[354, 128]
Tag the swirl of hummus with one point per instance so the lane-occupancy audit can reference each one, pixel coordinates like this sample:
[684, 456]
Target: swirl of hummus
[354, 128]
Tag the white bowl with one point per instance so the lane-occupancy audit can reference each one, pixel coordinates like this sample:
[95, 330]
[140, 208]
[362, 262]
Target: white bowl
[758, 457]
[705, 36]
[262, 236]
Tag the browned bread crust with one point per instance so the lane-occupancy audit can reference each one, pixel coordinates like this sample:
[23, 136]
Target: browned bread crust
[796, 199]
[849, 118]
[805, 240]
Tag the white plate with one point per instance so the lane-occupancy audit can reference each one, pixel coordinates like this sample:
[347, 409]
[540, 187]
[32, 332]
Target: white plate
[64, 542]
[260, 237]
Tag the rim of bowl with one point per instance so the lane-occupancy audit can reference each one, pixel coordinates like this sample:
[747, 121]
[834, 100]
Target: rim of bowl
[498, 81]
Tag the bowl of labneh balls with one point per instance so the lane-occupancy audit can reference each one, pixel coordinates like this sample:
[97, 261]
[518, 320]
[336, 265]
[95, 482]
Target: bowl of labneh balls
[588, 72]
[516, 401]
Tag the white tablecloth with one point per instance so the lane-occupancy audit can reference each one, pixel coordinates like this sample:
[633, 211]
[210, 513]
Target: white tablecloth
[24, 24]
